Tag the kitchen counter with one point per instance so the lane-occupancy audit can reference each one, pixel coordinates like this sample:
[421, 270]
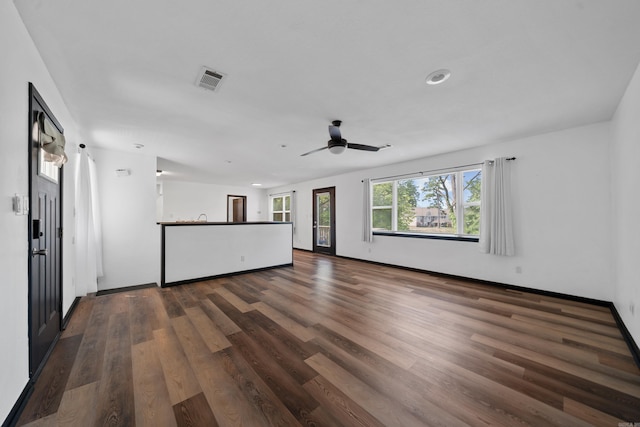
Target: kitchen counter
[198, 250]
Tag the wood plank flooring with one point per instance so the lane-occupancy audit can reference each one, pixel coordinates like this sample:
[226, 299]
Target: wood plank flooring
[335, 342]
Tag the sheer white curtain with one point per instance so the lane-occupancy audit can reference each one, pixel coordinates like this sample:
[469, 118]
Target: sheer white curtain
[496, 222]
[367, 233]
[88, 228]
[97, 218]
[293, 209]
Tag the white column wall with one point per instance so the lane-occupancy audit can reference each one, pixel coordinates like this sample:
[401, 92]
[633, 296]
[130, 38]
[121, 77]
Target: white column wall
[130, 234]
[625, 169]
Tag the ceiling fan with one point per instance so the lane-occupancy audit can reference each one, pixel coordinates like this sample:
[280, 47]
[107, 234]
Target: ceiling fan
[337, 144]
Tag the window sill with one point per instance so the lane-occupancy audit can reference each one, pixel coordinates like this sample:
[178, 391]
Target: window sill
[428, 236]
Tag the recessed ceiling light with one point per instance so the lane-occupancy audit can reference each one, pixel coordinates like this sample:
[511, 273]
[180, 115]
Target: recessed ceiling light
[283, 145]
[138, 146]
[255, 184]
[439, 76]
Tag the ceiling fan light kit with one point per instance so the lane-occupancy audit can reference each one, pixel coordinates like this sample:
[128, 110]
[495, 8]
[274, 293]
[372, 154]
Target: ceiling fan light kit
[337, 149]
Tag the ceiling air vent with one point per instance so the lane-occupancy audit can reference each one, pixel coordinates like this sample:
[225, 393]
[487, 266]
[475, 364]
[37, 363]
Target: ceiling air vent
[209, 79]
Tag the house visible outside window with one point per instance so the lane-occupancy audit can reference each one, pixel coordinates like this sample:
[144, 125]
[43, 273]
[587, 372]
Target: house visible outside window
[281, 208]
[444, 204]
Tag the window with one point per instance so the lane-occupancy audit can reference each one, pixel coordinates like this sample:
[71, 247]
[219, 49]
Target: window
[445, 204]
[382, 215]
[281, 208]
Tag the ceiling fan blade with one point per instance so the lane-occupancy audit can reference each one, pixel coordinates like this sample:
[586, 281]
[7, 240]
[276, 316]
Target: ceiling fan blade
[334, 132]
[362, 147]
[313, 151]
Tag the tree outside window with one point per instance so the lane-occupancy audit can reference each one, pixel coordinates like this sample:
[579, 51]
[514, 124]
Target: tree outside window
[448, 203]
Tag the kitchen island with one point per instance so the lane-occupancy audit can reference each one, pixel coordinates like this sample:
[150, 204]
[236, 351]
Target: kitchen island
[194, 251]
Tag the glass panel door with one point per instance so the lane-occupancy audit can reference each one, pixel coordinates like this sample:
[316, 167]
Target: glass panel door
[324, 234]
[323, 219]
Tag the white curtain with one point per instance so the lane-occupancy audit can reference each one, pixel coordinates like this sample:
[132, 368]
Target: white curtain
[97, 218]
[88, 228]
[367, 232]
[496, 222]
[293, 209]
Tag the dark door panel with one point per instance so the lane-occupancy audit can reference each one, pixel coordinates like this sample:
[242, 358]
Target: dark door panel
[236, 208]
[45, 249]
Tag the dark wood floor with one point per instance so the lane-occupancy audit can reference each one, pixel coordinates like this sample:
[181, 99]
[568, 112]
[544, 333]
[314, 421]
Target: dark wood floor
[333, 342]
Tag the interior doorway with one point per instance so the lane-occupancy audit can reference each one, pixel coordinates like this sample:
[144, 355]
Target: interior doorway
[324, 220]
[236, 208]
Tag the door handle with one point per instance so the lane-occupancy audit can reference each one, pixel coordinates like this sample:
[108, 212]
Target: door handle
[35, 252]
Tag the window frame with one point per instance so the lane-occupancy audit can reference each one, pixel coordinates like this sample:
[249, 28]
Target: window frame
[394, 198]
[284, 211]
[461, 205]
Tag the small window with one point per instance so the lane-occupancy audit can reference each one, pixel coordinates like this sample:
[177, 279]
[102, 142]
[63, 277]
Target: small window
[281, 208]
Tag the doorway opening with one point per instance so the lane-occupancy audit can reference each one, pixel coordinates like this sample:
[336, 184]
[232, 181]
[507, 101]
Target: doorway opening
[236, 208]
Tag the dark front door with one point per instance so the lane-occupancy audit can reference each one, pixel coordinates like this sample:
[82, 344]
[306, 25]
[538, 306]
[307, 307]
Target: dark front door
[324, 220]
[45, 250]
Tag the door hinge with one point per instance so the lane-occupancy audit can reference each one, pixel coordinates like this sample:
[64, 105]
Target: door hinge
[60, 232]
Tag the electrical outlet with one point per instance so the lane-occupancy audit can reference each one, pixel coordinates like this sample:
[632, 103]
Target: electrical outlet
[241, 258]
[519, 269]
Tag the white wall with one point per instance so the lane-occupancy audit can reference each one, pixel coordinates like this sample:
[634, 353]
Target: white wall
[22, 64]
[625, 167]
[131, 237]
[184, 201]
[562, 208]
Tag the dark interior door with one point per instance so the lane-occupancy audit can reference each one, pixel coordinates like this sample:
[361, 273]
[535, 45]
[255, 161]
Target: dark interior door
[324, 220]
[45, 249]
[236, 208]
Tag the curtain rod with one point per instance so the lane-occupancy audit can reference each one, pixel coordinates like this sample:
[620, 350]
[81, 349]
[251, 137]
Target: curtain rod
[433, 170]
[280, 194]
[81, 148]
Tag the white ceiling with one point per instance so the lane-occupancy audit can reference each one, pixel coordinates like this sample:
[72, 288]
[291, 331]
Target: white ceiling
[127, 71]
